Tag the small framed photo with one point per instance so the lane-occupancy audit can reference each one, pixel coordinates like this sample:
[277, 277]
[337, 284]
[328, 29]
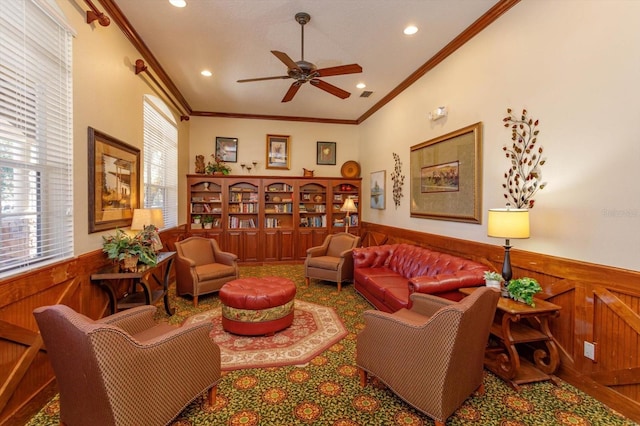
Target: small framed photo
[227, 149]
[377, 184]
[326, 153]
[278, 152]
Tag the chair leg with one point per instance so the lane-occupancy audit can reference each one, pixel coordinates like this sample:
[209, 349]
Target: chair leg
[363, 377]
[211, 395]
[306, 281]
[481, 390]
[439, 423]
[339, 286]
[195, 301]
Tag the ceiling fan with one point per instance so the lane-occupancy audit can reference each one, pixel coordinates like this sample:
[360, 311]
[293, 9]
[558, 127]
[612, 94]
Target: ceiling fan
[303, 71]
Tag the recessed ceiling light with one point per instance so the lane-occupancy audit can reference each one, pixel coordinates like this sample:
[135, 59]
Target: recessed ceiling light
[361, 85]
[206, 73]
[411, 30]
[178, 3]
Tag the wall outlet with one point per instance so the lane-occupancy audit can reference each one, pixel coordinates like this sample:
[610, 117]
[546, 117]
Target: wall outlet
[590, 350]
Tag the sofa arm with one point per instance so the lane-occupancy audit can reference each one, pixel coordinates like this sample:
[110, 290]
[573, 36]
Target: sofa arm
[317, 251]
[372, 257]
[445, 282]
[226, 258]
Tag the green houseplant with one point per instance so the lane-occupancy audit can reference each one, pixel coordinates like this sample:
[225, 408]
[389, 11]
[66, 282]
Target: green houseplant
[217, 166]
[122, 246]
[523, 289]
[493, 279]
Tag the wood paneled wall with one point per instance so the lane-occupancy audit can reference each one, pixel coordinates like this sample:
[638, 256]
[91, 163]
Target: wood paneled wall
[599, 304]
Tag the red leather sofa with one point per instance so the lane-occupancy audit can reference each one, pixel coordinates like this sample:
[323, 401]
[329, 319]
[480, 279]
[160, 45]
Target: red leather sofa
[386, 275]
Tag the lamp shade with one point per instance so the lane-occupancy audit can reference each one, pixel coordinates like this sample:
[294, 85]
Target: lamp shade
[146, 217]
[349, 206]
[508, 223]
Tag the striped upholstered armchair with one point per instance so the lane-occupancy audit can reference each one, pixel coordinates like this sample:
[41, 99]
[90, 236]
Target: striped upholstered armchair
[431, 355]
[125, 369]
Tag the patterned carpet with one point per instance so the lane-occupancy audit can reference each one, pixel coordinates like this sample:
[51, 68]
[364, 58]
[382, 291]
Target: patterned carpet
[327, 390]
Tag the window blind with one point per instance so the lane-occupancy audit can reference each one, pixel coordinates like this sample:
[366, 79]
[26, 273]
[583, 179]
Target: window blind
[160, 168]
[36, 146]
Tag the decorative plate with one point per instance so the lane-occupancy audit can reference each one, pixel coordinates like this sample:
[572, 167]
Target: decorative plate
[350, 169]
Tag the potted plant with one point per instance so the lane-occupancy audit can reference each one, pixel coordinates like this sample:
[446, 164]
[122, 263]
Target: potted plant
[208, 222]
[523, 289]
[196, 218]
[129, 250]
[217, 166]
[493, 279]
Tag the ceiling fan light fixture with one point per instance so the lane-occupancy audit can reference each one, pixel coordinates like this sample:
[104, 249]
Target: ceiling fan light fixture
[178, 3]
[361, 85]
[206, 73]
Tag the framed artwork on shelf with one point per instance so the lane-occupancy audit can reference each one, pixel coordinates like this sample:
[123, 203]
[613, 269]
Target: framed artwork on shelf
[114, 182]
[227, 149]
[446, 174]
[326, 153]
[278, 152]
[377, 185]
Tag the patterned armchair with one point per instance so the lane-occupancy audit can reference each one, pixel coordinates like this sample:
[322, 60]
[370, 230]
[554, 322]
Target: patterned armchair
[201, 267]
[431, 355]
[333, 260]
[125, 369]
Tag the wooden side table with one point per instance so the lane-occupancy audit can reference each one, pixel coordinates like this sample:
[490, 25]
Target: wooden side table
[108, 278]
[518, 325]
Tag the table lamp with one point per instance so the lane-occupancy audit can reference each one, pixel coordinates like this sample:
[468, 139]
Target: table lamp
[508, 223]
[349, 207]
[146, 217]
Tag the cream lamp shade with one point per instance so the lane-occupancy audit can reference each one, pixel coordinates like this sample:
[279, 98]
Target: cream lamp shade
[508, 223]
[146, 217]
[349, 206]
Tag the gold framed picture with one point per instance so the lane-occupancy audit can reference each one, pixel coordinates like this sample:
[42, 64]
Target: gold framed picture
[278, 152]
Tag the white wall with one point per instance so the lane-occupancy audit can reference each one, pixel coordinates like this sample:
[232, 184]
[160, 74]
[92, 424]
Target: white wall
[573, 64]
[252, 143]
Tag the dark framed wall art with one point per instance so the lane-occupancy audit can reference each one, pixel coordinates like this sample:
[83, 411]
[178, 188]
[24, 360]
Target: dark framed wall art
[227, 149]
[114, 181]
[326, 153]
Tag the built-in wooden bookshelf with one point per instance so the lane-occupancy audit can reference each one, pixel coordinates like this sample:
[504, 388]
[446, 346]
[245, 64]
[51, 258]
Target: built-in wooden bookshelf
[270, 218]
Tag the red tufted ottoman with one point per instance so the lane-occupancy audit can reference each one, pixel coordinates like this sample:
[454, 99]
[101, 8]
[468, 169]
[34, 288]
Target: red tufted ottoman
[257, 306]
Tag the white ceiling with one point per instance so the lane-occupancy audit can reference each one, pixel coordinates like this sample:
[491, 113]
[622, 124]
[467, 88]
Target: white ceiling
[233, 39]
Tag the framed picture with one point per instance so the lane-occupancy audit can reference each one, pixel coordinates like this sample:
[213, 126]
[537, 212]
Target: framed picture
[114, 182]
[278, 152]
[377, 185]
[227, 149]
[446, 175]
[326, 153]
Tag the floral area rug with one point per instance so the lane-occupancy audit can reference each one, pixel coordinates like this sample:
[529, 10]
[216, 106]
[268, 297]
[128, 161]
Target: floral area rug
[326, 391]
[314, 329]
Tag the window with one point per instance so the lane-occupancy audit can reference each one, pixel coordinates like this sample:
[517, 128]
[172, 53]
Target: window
[160, 171]
[36, 145]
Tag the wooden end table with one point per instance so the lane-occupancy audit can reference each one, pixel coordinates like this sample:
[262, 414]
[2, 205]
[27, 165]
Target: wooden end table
[108, 279]
[518, 325]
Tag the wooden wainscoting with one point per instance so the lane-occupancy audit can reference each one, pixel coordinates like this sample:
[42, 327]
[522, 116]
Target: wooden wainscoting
[599, 304]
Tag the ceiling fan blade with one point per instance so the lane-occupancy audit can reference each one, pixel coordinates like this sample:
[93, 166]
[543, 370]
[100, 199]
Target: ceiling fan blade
[290, 63]
[339, 70]
[280, 77]
[293, 89]
[330, 88]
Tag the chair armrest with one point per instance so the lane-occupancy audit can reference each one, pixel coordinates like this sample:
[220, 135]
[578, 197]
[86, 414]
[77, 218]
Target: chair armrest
[132, 320]
[378, 319]
[316, 251]
[347, 254]
[445, 282]
[226, 258]
[427, 304]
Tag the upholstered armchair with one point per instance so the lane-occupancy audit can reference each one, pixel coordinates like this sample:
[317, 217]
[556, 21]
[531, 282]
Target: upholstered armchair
[431, 355]
[201, 267]
[125, 369]
[333, 260]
